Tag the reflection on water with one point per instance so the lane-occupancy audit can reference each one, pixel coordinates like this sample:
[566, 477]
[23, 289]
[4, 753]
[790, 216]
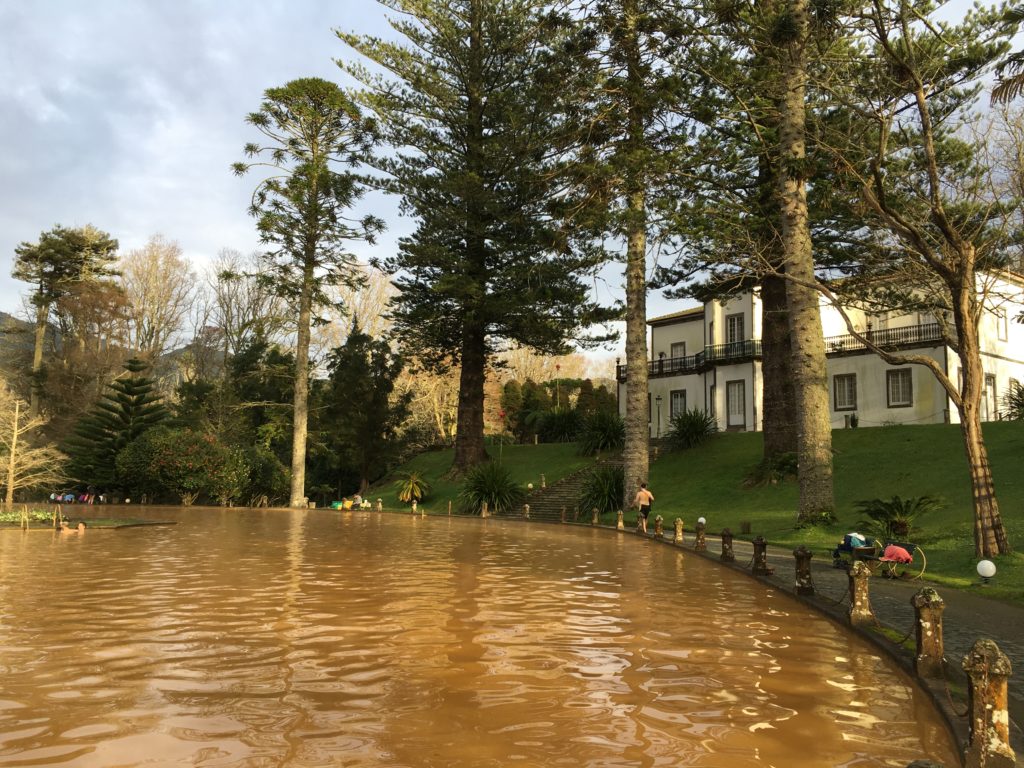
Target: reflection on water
[247, 638]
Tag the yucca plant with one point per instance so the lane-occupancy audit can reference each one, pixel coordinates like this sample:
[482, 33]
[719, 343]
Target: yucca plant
[894, 518]
[492, 483]
[602, 431]
[412, 486]
[691, 428]
[1013, 403]
[603, 487]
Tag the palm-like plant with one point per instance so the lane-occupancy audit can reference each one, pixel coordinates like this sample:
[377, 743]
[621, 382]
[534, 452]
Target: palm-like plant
[492, 483]
[602, 431]
[894, 518]
[603, 488]
[412, 486]
[691, 428]
[1013, 403]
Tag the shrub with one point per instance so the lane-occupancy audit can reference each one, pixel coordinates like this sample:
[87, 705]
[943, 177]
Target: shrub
[410, 486]
[691, 428]
[772, 470]
[894, 518]
[492, 483]
[602, 431]
[1013, 403]
[604, 488]
[558, 426]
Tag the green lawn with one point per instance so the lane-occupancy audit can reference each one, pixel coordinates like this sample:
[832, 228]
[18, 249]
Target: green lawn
[525, 462]
[878, 462]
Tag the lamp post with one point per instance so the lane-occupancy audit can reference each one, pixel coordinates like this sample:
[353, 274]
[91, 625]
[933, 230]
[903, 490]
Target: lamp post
[558, 399]
[658, 401]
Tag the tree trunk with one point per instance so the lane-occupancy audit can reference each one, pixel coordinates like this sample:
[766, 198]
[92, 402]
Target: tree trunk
[989, 534]
[810, 378]
[42, 313]
[13, 458]
[635, 452]
[469, 434]
[778, 401]
[300, 411]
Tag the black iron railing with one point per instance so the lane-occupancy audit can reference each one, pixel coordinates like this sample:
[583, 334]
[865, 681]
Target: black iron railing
[889, 338]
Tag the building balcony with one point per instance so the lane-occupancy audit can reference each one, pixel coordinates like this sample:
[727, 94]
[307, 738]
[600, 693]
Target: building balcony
[835, 346]
[910, 336]
[716, 354]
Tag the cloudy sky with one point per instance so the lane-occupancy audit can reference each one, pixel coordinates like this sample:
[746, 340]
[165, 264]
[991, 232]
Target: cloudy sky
[127, 114]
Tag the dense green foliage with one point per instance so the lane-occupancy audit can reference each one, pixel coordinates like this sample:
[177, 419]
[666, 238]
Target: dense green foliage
[603, 489]
[128, 408]
[492, 484]
[690, 428]
[602, 431]
[894, 518]
[412, 486]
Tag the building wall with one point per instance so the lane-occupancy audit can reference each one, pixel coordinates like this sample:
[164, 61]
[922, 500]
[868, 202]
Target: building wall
[688, 330]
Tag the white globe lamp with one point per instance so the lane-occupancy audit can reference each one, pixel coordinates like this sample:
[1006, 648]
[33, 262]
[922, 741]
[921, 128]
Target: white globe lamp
[986, 569]
[701, 520]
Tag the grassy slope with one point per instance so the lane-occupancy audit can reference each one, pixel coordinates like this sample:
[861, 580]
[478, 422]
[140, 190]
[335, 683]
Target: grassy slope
[869, 463]
[525, 462]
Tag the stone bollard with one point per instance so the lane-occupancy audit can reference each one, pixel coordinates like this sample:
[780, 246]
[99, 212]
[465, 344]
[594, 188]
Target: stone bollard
[543, 482]
[595, 516]
[928, 608]
[619, 525]
[860, 604]
[526, 511]
[727, 555]
[988, 740]
[804, 582]
[380, 505]
[678, 538]
[412, 508]
[700, 543]
[759, 567]
[483, 510]
[563, 514]
[659, 530]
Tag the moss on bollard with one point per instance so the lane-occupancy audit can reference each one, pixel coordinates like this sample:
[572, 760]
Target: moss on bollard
[988, 741]
[860, 602]
[928, 608]
[659, 529]
[803, 581]
[678, 537]
[619, 525]
[727, 554]
[759, 567]
[700, 543]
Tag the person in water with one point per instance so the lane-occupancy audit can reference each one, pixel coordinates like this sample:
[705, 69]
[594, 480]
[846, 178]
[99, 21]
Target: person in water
[644, 499]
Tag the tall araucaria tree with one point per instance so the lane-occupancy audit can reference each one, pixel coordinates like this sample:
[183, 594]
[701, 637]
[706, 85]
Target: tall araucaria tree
[62, 260]
[315, 138]
[636, 146]
[472, 104]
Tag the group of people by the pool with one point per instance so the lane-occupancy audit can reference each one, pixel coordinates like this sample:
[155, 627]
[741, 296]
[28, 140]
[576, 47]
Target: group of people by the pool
[67, 497]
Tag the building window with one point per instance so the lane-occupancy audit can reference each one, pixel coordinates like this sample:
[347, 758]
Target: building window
[735, 403]
[676, 402]
[1002, 327]
[648, 407]
[734, 328]
[844, 392]
[988, 398]
[714, 406]
[899, 386]
[678, 349]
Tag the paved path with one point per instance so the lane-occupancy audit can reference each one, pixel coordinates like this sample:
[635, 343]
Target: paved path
[967, 616]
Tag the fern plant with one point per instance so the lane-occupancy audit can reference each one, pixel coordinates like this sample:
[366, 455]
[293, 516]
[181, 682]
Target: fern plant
[492, 483]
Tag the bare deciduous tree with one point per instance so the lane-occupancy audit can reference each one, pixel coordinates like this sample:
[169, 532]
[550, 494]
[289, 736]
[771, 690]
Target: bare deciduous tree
[26, 465]
[160, 285]
[243, 308]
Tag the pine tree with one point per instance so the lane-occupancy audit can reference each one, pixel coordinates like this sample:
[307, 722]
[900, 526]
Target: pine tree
[128, 408]
[62, 260]
[312, 127]
[472, 103]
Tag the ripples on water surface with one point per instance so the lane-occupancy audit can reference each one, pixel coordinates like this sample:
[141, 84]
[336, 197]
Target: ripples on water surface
[318, 639]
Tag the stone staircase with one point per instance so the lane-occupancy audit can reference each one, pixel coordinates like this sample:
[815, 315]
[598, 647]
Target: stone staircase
[546, 504]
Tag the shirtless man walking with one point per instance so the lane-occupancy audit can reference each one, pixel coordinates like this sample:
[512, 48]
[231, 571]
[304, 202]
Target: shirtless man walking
[644, 499]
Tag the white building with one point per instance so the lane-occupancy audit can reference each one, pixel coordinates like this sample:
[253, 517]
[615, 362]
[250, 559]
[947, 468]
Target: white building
[709, 357]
